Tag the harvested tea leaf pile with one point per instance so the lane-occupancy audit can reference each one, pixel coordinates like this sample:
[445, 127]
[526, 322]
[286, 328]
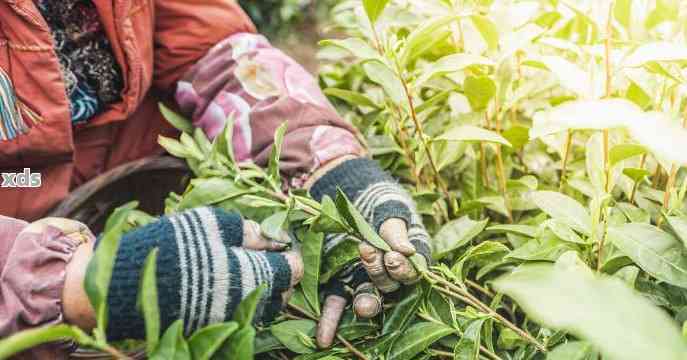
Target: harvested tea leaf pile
[544, 142]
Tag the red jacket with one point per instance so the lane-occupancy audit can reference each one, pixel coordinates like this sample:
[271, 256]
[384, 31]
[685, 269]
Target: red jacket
[154, 41]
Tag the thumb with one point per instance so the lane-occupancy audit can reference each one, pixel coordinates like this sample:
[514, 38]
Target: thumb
[395, 232]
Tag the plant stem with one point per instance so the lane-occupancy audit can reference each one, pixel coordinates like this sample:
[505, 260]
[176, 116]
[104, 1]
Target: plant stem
[566, 157]
[345, 342]
[420, 131]
[465, 296]
[499, 165]
[609, 91]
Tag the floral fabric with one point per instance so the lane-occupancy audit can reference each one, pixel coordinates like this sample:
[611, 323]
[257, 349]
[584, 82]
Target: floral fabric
[91, 74]
[244, 77]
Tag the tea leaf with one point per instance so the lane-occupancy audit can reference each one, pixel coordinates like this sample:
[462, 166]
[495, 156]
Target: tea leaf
[25, 340]
[358, 222]
[468, 346]
[573, 350]
[565, 209]
[472, 133]
[351, 97]
[374, 8]
[178, 121]
[657, 51]
[312, 258]
[172, 345]
[99, 270]
[211, 191]
[206, 341]
[245, 312]
[487, 29]
[356, 46]
[147, 302]
[275, 156]
[455, 234]
[679, 226]
[289, 333]
[240, 346]
[479, 91]
[654, 250]
[403, 312]
[382, 75]
[601, 310]
[416, 339]
[625, 151]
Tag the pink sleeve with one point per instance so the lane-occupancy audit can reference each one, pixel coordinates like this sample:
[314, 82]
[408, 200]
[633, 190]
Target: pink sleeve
[32, 271]
[261, 87]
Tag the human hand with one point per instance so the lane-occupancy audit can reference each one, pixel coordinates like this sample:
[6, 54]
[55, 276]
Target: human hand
[391, 211]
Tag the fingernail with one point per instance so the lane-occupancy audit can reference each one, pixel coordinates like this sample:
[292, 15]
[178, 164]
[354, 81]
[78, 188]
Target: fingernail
[367, 305]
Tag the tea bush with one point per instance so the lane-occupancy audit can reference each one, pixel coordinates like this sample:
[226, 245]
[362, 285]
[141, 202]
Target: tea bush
[543, 141]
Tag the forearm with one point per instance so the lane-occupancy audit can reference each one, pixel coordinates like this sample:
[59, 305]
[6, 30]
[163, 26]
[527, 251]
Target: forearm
[260, 87]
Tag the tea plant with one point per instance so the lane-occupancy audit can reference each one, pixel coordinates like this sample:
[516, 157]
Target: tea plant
[543, 141]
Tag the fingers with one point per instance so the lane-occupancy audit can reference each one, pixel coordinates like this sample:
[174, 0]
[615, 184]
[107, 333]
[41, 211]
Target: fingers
[68, 227]
[297, 268]
[373, 262]
[367, 303]
[395, 232]
[400, 268]
[254, 239]
[75, 303]
[331, 315]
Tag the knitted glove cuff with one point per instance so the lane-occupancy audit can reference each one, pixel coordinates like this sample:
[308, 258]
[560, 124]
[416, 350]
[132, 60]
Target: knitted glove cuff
[377, 196]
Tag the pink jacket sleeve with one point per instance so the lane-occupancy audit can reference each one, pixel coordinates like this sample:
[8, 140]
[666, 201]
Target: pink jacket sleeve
[32, 272]
[261, 87]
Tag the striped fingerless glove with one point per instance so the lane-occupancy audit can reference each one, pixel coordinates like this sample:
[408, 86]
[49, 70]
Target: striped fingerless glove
[377, 196]
[202, 273]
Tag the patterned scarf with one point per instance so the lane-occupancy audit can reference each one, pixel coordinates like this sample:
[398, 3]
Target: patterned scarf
[93, 78]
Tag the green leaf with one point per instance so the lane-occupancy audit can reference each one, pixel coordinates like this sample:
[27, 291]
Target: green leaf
[473, 133]
[403, 312]
[572, 77]
[455, 234]
[374, 8]
[28, 339]
[99, 270]
[563, 208]
[312, 258]
[622, 11]
[426, 36]
[602, 310]
[468, 346]
[356, 46]
[290, 334]
[340, 256]
[487, 29]
[206, 341]
[479, 91]
[586, 114]
[192, 147]
[655, 251]
[211, 191]
[244, 313]
[147, 302]
[563, 231]
[351, 97]
[329, 220]
[416, 339]
[526, 230]
[636, 174]
[240, 346]
[381, 74]
[517, 136]
[172, 345]
[622, 152]
[657, 51]
[451, 64]
[173, 147]
[275, 155]
[572, 350]
[358, 222]
[679, 226]
[273, 227]
[178, 121]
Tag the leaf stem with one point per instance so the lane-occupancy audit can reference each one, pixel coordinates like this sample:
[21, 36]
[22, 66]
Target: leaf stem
[465, 296]
[566, 157]
[481, 347]
[345, 342]
[420, 131]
